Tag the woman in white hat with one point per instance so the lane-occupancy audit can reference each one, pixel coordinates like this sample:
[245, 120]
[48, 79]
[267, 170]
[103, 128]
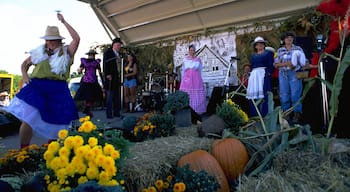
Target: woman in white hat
[44, 104]
[260, 77]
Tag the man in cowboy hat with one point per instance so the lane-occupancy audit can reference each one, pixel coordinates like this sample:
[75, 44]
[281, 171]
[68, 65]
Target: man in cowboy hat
[4, 99]
[44, 104]
[112, 63]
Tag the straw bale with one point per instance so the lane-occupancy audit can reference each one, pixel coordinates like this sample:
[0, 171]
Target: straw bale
[295, 170]
[155, 159]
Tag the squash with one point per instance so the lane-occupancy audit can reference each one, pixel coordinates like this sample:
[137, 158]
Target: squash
[202, 160]
[231, 155]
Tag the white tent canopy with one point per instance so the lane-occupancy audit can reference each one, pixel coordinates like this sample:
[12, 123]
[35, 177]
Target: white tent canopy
[146, 21]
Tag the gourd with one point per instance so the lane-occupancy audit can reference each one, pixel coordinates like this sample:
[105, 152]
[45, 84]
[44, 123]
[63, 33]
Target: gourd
[202, 160]
[231, 155]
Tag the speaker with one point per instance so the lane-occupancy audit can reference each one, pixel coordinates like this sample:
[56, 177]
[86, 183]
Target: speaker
[215, 99]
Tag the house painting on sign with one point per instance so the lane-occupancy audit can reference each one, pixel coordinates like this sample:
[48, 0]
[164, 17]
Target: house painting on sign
[216, 54]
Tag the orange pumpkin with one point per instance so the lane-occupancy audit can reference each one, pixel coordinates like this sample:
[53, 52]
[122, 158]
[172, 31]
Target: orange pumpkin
[231, 155]
[202, 160]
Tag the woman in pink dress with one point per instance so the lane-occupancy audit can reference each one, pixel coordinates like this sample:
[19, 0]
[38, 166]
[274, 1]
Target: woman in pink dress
[192, 82]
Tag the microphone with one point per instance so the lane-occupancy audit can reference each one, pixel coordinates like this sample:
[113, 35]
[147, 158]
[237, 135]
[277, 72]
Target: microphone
[235, 58]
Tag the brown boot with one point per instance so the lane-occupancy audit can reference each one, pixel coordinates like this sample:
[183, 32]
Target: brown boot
[126, 107]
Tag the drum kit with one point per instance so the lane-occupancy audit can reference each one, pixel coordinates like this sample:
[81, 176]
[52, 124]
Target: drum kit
[156, 88]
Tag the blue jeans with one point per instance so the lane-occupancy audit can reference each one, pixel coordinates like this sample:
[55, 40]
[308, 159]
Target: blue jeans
[290, 89]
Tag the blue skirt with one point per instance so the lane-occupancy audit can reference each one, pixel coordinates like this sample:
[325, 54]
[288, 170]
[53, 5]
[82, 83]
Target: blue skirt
[46, 105]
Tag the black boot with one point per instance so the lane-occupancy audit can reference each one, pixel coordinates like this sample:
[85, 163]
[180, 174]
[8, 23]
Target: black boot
[87, 111]
[133, 105]
[296, 118]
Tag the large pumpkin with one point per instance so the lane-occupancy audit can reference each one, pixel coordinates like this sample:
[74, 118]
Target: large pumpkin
[231, 155]
[202, 160]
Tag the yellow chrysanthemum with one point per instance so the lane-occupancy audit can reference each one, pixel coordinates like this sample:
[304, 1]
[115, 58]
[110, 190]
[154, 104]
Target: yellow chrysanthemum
[92, 173]
[182, 186]
[89, 155]
[64, 151]
[82, 150]
[61, 174]
[97, 150]
[78, 141]
[159, 184]
[93, 141]
[99, 160]
[48, 155]
[169, 178]
[108, 162]
[83, 119]
[70, 169]
[87, 127]
[108, 149]
[103, 176]
[152, 189]
[62, 134]
[81, 168]
[68, 142]
[166, 185]
[20, 158]
[53, 146]
[82, 179]
[115, 154]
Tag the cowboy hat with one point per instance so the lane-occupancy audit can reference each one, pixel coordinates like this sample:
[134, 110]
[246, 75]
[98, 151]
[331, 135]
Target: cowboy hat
[91, 52]
[52, 33]
[4, 93]
[259, 39]
[117, 40]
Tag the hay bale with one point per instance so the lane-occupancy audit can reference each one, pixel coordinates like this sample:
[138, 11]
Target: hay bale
[295, 170]
[155, 159]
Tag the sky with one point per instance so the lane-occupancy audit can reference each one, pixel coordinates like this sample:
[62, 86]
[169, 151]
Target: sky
[23, 22]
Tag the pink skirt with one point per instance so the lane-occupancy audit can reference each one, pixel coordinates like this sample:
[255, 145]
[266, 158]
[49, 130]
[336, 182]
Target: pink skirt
[192, 84]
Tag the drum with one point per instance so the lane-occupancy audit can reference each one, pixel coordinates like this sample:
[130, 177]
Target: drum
[152, 100]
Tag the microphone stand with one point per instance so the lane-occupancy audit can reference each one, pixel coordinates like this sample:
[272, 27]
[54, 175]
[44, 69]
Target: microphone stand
[323, 85]
[226, 84]
[121, 85]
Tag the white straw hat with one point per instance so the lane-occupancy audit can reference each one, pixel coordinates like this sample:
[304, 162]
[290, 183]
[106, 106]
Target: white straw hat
[52, 33]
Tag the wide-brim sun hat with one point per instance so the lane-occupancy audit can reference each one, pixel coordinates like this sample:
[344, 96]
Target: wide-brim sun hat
[259, 39]
[52, 33]
[91, 52]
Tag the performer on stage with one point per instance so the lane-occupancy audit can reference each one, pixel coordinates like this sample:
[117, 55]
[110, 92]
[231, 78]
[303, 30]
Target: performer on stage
[192, 82]
[112, 60]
